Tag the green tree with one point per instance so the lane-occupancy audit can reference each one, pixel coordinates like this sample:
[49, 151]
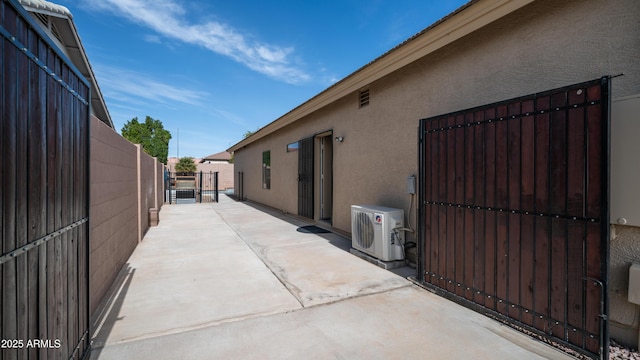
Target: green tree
[249, 133]
[151, 135]
[186, 165]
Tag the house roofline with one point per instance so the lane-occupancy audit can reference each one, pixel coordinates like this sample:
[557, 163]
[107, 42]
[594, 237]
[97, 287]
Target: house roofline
[97, 98]
[46, 7]
[75, 50]
[461, 22]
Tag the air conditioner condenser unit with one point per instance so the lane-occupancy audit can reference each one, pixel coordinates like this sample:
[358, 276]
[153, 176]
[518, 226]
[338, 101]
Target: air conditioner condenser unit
[378, 231]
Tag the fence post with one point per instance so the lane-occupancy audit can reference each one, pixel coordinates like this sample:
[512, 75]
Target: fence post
[200, 186]
[215, 184]
[155, 183]
[171, 188]
[139, 181]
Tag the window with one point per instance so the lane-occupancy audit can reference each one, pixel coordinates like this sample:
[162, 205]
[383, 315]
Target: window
[266, 170]
[364, 98]
[292, 147]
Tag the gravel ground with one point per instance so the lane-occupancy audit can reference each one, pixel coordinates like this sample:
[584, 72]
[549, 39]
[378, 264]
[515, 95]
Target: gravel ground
[617, 351]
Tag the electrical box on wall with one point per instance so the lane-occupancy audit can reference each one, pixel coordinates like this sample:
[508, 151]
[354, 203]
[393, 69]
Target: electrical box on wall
[634, 284]
[625, 172]
[411, 184]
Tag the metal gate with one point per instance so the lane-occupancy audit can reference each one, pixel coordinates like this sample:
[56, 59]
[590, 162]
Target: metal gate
[514, 212]
[239, 192]
[44, 195]
[198, 187]
[305, 177]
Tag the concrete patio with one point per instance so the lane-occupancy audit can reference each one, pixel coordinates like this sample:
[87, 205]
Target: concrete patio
[235, 280]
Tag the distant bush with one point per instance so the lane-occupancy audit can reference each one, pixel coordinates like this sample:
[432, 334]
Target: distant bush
[186, 165]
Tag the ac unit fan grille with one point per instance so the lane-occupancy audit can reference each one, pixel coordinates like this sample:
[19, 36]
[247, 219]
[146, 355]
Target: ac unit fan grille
[364, 230]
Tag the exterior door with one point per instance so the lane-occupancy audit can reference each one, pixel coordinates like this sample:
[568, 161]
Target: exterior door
[326, 177]
[305, 178]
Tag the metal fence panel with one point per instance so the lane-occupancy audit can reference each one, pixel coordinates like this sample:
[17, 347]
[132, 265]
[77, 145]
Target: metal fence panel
[305, 177]
[44, 193]
[514, 211]
[192, 187]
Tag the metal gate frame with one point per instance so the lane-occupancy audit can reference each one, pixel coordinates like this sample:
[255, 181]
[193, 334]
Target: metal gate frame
[44, 194]
[208, 186]
[305, 177]
[514, 212]
[205, 189]
[239, 192]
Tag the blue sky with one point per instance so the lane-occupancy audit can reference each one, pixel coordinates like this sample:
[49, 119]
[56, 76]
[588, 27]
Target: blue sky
[213, 70]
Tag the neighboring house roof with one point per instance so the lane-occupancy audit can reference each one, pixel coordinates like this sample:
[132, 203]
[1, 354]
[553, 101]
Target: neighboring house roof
[58, 20]
[465, 20]
[221, 156]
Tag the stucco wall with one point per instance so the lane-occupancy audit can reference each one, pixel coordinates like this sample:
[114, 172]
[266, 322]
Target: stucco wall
[224, 169]
[225, 173]
[625, 316]
[120, 202]
[545, 45]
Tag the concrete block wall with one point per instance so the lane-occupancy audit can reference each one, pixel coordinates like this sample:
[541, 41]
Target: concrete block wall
[147, 193]
[123, 183]
[225, 173]
[159, 185]
[224, 169]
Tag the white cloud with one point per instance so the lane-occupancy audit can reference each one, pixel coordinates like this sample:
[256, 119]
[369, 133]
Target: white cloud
[229, 116]
[132, 87]
[152, 39]
[275, 55]
[167, 18]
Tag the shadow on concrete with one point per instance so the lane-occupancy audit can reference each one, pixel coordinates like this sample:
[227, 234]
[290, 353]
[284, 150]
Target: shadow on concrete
[312, 229]
[106, 315]
[309, 226]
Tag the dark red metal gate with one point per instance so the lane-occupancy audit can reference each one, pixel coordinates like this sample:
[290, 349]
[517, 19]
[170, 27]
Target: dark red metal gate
[514, 212]
[44, 195]
[305, 177]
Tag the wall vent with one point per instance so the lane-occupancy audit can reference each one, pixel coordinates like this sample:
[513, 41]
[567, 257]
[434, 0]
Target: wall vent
[46, 21]
[56, 33]
[364, 98]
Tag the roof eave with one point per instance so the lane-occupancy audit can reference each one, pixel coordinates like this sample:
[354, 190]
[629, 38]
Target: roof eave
[464, 21]
[75, 50]
[97, 100]
[45, 7]
[221, 156]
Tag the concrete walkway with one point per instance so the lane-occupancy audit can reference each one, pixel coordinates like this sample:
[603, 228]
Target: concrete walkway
[235, 281]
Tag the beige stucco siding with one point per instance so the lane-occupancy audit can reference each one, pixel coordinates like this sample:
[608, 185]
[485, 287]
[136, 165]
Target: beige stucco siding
[545, 45]
[224, 170]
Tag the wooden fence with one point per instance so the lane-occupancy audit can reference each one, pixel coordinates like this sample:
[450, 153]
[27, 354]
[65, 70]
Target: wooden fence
[44, 200]
[514, 212]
